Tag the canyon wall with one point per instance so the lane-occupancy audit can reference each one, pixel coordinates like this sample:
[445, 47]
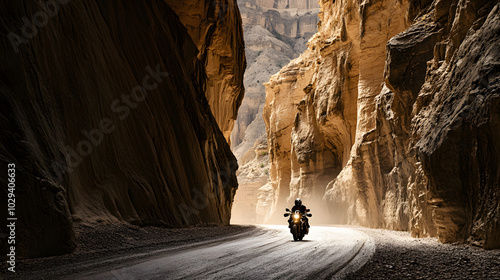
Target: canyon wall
[215, 29]
[286, 19]
[105, 112]
[268, 47]
[273, 37]
[390, 119]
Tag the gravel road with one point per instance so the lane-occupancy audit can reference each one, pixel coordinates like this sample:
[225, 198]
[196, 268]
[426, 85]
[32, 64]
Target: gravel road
[264, 253]
[125, 252]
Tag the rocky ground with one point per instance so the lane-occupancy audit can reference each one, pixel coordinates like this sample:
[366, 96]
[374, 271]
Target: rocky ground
[399, 256]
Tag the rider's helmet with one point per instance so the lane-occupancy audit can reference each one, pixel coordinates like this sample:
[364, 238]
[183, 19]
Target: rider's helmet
[298, 202]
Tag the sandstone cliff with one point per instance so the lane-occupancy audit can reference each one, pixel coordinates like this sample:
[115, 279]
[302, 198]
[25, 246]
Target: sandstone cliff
[215, 27]
[107, 111]
[394, 109]
[274, 35]
[268, 46]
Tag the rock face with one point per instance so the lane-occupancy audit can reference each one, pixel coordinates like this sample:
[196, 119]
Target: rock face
[266, 55]
[286, 19]
[268, 47]
[390, 119]
[252, 176]
[106, 114]
[456, 125]
[215, 29]
[273, 37]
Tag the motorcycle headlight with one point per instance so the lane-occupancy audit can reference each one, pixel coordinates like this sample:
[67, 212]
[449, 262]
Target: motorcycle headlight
[296, 216]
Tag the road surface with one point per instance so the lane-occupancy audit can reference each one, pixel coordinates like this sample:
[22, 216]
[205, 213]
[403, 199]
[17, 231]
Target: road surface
[265, 253]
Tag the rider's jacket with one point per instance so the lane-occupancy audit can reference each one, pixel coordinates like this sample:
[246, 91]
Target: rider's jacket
[301, 208]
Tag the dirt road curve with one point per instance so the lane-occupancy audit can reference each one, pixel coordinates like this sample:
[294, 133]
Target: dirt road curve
[264, 253]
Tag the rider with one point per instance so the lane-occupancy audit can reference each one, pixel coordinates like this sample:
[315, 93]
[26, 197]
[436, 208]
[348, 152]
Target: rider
[303, 210]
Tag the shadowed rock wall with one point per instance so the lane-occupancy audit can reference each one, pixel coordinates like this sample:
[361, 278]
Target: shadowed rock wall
[90, 145]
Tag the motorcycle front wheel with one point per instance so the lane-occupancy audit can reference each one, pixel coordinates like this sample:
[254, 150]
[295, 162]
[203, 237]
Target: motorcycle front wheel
[295, 232]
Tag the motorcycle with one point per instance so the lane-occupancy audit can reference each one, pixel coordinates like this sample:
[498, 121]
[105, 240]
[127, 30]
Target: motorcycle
[297, 223]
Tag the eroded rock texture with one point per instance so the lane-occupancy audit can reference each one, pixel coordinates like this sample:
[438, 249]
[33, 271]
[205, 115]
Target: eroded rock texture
[89, 145]
[215, 27]
[273, 37]
[269, 45]
[394, 109]
[252, 175]
[455, 130]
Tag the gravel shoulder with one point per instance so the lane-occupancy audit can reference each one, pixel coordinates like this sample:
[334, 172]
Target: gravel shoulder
[399, 256]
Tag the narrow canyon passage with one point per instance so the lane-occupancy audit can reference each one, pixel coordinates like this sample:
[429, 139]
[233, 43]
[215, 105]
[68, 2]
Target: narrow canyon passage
[162, 139]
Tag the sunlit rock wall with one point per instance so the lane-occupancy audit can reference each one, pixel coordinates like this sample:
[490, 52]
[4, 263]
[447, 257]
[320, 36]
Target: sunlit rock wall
[269, 47]
[273, 37]
[402, 99]
[312, 104]
[215, 27]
